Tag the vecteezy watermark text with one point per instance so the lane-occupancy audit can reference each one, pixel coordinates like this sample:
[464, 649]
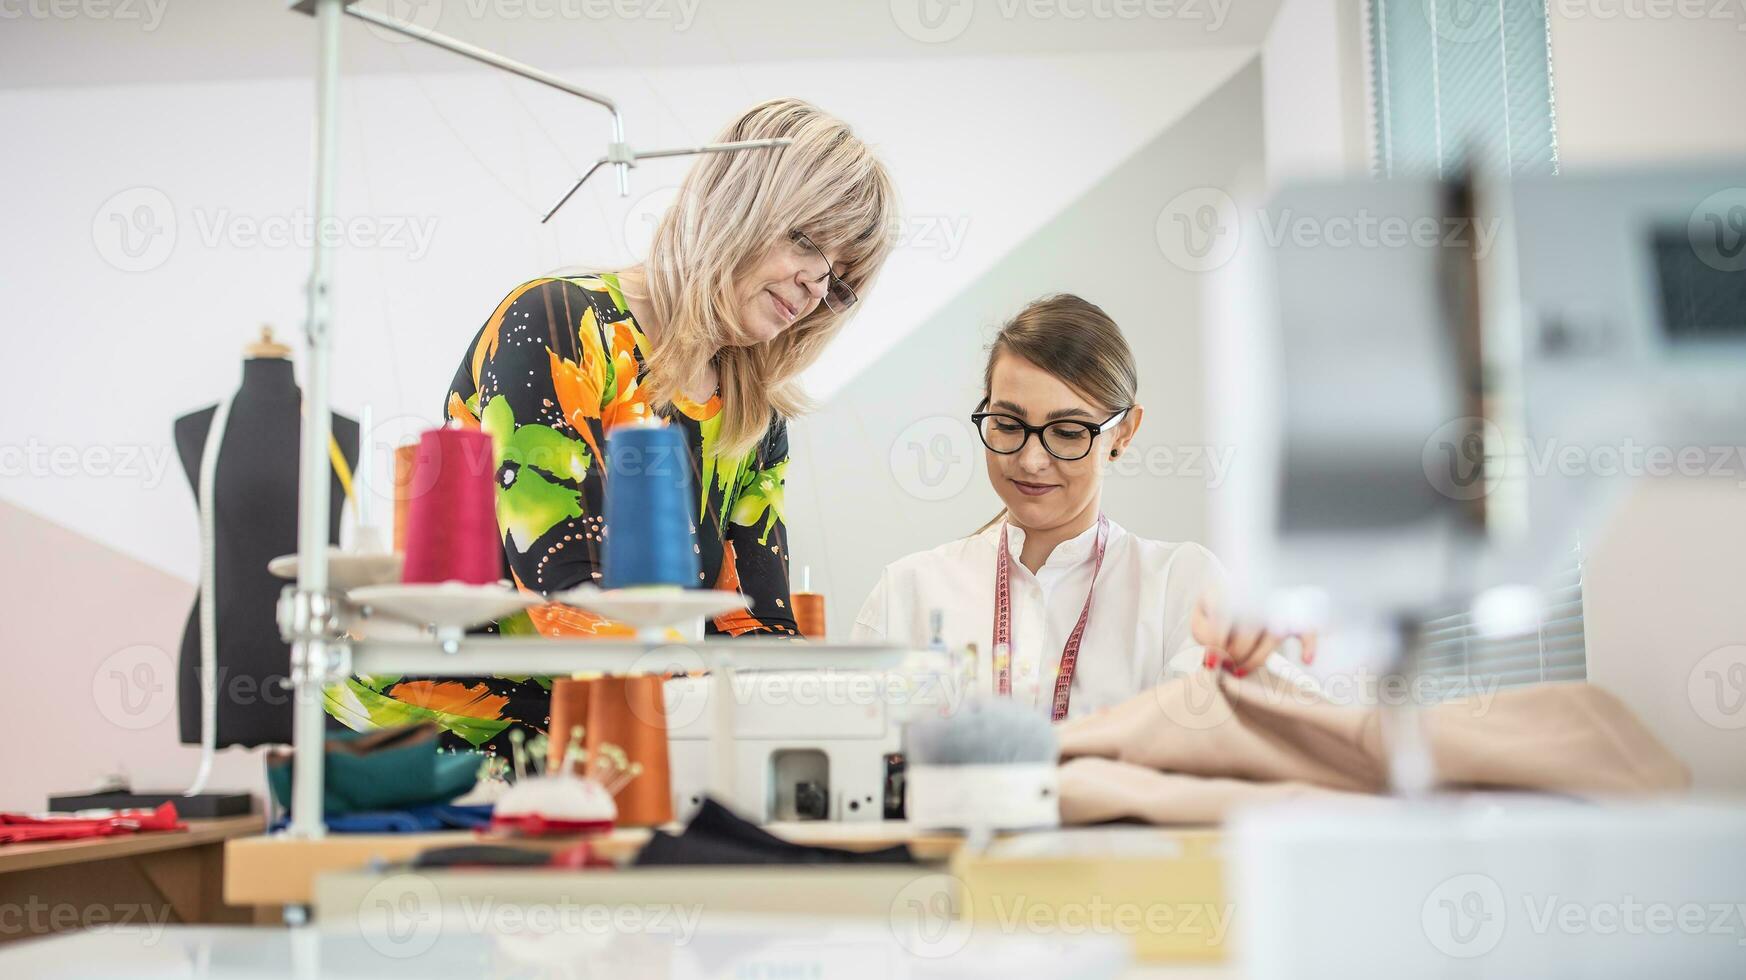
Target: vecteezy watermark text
[147, 13]
[1468, 458]
[939, 21]
[139, 228]
[679, 13]
[1201, 228]
[36, 917]
[36, 459]
[1468, 915]
[403, 916]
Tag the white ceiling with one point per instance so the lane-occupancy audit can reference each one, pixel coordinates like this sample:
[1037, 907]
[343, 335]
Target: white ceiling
[95, 42]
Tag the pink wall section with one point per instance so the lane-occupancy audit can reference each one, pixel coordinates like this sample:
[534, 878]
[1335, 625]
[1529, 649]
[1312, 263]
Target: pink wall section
[88, 648]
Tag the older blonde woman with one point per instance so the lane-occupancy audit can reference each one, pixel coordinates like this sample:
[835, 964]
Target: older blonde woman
[751, 272]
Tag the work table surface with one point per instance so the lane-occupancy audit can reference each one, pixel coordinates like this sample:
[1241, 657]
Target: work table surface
[275, 869]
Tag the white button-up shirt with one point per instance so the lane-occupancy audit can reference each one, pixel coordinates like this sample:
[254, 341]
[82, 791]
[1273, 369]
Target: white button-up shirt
[1138, 632]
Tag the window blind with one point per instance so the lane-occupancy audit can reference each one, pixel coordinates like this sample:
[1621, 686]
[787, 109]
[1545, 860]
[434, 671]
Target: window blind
[1455, 81]
[1458, 659]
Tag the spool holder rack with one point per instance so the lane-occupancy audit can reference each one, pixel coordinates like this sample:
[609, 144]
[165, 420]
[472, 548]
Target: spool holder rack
[340, 655]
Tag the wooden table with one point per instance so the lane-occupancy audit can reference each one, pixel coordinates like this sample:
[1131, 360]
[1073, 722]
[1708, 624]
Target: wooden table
[141, 879]
[275, 870]
[1053, 876]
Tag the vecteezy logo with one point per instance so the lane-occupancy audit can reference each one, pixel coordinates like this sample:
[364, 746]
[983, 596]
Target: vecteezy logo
[932, 21]
[1717, 687]
[930, 916]
[1717, 229]
[1456, 462]
[1198, 230]
[421, 14]
[1461, 21]
[1464, 916]
[1194, 702]
[644, 217]
[933, 458]
[401, 916]
[135, 230]
[133, 687]
[683, 702]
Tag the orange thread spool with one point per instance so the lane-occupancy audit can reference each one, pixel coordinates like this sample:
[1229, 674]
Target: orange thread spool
[628, 712]
[404, 458]
[809, 614]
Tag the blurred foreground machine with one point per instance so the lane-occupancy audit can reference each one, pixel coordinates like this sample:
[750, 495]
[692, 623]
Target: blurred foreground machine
[1454, 378]
[1452, 368]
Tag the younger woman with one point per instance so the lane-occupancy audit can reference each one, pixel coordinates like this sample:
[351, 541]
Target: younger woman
[1089, 613]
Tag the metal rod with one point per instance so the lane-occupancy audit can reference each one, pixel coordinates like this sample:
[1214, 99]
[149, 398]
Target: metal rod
[573, 189]
[762, 144]
[493, 59]
[623, 168]
[465, 50]
[309, 652]
[621, 158]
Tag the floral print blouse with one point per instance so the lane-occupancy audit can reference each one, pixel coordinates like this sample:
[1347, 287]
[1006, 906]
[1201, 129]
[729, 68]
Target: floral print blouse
[559, 363]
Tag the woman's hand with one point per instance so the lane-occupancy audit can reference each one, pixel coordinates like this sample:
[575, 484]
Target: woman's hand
[1238, 647]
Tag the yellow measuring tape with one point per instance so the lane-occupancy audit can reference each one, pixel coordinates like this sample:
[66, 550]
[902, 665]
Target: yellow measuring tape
[340, 469]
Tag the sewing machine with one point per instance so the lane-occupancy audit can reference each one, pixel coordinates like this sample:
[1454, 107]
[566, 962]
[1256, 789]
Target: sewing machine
[808, 745]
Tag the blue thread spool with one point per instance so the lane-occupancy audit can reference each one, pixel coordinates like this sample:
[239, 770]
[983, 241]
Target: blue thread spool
[648, 509]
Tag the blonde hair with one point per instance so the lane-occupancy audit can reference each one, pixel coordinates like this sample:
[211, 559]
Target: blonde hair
[731, 209]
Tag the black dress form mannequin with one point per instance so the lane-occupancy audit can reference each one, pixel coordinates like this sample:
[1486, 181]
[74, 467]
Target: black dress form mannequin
[255, 521]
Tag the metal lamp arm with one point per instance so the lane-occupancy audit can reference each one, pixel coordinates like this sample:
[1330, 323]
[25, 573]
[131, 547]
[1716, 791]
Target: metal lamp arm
[630, 158]
[619, 154]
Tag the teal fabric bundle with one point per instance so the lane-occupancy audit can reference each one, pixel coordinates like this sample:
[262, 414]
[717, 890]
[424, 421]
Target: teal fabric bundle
[386, 769]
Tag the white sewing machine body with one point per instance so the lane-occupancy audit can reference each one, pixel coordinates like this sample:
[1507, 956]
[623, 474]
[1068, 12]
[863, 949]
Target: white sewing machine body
[808, 744]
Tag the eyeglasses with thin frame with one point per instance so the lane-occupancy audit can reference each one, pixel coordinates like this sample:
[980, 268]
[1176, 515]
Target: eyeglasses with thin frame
[1065, 439]
[838, 296]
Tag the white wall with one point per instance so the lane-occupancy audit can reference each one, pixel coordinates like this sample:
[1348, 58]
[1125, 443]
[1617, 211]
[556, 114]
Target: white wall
[1314, 63]
[891, 466]
[1633, 87]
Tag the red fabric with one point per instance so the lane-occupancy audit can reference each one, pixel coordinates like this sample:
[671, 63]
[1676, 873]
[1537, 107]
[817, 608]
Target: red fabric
[24, 828]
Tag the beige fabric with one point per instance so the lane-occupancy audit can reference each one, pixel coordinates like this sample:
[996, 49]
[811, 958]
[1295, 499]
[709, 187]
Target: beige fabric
[1190, 749]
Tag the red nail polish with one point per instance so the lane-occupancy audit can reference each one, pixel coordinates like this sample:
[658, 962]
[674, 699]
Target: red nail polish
[1241, 671]
[1210, 661]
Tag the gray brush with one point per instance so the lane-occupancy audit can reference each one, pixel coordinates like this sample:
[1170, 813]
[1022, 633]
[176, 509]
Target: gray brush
[981, 732]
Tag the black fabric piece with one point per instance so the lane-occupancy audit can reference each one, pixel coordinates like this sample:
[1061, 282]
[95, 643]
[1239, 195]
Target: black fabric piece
[256, 521]
[481, 855]
[717, 836]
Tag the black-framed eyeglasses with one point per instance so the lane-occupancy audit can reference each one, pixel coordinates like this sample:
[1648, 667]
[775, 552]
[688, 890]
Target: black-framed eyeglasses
[838, 296]
[1064, 439]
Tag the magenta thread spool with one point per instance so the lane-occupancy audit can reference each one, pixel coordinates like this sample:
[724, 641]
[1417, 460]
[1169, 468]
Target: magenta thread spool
[451, 518]
[649, 501]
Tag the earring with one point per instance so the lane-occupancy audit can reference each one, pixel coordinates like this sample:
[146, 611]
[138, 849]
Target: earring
[1113, 453]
